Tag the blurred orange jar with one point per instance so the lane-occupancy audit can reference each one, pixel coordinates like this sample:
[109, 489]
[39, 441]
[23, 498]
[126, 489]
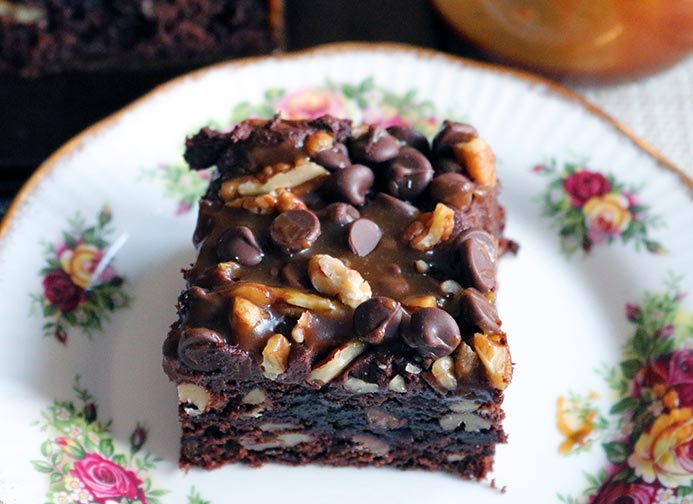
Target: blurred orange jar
[594, 39]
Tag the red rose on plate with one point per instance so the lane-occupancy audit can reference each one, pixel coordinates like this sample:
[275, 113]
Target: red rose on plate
[621, 493]
[583, 185]
[671, 372]
[107, 481]
[61, 292]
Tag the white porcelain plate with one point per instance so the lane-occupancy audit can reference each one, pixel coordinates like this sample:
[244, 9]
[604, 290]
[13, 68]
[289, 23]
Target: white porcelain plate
[594, 303]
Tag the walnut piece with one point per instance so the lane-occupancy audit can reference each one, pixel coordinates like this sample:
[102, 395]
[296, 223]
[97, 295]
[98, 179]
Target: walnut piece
[472, 422]
[198, 397]
[331, 276]
[298, 333]
[275, 356]
[254, 397]
[246, 316]
[494, 354]
[280, 200]
[416, 302]
[360, 386]
[442, 370]
[466, 360]
[477, 156]
[336, 362]
[279, 176]
[267, 295]
[397, 384]
[318, 142]
[430, 228]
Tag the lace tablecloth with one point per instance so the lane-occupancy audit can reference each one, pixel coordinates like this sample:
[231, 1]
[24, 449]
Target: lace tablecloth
[658, 109]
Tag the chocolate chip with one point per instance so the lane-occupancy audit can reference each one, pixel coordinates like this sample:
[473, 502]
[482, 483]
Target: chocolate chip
[408, 174]
[452, 133]
[477, 313]
[397, 205]
[350, 184]
[433, 333]
[453, 189]
[410, 136]
[340, 213]
[475, 253]
[448, 166]
[364, 236]
[295, 230]
[335, 158]
[376, 146]
[199, 349]
[395, 286]
[377, 319]
[239, 244]
[202, 307]
[295, 274]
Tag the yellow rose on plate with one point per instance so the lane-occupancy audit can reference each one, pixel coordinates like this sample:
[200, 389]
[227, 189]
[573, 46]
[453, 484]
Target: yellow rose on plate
[665, 451]
[607, 214]
[81, 263]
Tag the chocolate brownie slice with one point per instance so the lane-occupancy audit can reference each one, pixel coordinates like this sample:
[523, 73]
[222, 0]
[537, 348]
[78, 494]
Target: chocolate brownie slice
[40, 37]
[341, 309]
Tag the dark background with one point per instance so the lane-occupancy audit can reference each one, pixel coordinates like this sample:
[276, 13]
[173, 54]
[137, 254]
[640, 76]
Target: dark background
[38, 116]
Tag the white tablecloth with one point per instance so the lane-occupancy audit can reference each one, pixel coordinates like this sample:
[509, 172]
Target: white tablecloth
[659, 109]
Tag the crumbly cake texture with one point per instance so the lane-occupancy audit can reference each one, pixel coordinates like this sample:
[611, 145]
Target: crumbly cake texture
[40, 37]
[341, 309]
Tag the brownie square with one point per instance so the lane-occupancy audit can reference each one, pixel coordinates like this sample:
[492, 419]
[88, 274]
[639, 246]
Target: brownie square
[341, 309]
[39, 37]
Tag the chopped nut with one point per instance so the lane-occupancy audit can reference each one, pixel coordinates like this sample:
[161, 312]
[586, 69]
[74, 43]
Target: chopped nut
[281, 176]
[397, 384]
[421, 266]
[450, 287]
[275, 356]
[378, 418]
[246, 316]
[464, 406]
[198, 397]
[371, 444]
[254, 397]
[287, 200]
[478, 158]
[493, 352]
[318, 141]
[411, 368]
[466, 360]
[471, 421]
[331, 276]
[280, 201]
[442, 370]
[360, 386]
[336, 362]
[416, 302]
[430, 228]
[272, 427]
[267, 295]
[227, 270]
[286, 440]
[298, 333]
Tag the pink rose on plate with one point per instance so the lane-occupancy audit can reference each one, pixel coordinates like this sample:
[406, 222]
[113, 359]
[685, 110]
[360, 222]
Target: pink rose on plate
[583, 185]
[310, 103]
[107, 481]
[621, 493]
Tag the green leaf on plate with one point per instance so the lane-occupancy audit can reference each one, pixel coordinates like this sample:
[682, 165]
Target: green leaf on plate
[625, 404]
[41, 466]
[106, 447]
[630, 368]
[616, 452]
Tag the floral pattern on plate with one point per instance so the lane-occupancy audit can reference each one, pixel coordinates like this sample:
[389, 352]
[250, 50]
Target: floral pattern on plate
[590, 208]
[83, 462]
[80, 285]
[648, 438]
[364, 102]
